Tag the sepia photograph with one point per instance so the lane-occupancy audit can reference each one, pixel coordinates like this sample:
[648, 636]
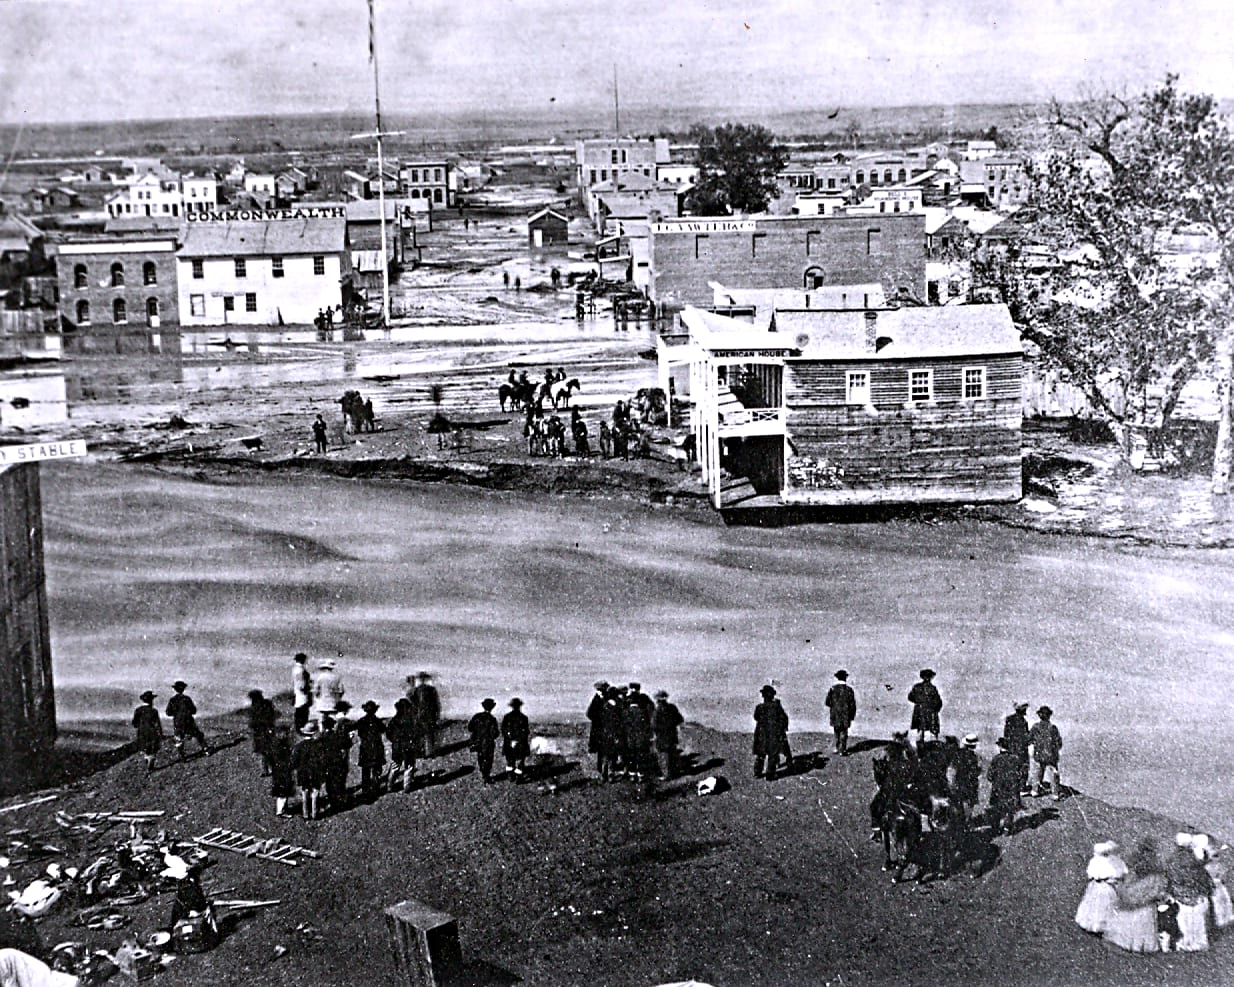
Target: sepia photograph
[624, 494]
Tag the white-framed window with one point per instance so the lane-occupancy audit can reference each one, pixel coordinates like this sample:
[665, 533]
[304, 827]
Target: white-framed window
[199, 269]
[241, 267]
[319, 266]
[857, 390]
[920, 386]
[197, 305]
[250, 301]
[119, 311]
[276, 267]
[973, 383]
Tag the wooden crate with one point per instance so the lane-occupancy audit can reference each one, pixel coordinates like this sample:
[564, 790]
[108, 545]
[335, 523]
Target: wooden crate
[426, 944]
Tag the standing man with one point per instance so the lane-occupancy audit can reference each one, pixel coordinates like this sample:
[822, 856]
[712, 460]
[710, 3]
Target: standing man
[515, 739]
[301, 691]
[149, 728]
[371, 730]
[770, 733]
[927, 704]
[320, 431]
[484, 732]
[335, 748]
[307, 763]
[595, 713]
[637, 728]
[842, 702]
[1004, 788]
[1015, 732]
[966, 776]
[401, 729]
[427, 704]
[183, 713]
[665, 722]
[640, 699]
[1046, 743]
[327, 689]
[262, 717]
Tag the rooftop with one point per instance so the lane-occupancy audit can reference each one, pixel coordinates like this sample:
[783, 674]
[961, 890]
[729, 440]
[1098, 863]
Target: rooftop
[275, 237]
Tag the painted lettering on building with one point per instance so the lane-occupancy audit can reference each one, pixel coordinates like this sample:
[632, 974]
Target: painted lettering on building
[707, 226]
[41, 450]
[261, 215]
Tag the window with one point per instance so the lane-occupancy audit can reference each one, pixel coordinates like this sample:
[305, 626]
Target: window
[276, 267]
[903, 175]
[79, 277]
[119, 311]
[604, 174]
[415, 174]
[873, 241]
[920, 385]
[319, 266]
[623, 157]
[858, 389]
[614, 156]
[117, 275]
[199, 271]
[229, 303]
[810, 233]
[197, 306]
[887, 177]
[974, 383]
[436, 195]
[149, 273]
[241, 267]
[437, 175]
[152, 310]
[593, 176]
[882, 205]
[250, 302]
[831, 183]
[814, 278]
[861, 178]
[754, 238]
[83, 313]
[699, 243]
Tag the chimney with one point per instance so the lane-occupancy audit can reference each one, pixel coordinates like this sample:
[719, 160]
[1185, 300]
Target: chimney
[871, 335]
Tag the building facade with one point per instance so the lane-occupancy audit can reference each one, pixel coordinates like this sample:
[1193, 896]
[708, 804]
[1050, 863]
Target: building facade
[433, 181]
[117, 292]
[785, 252]
[603, 159]
[268, 272]
[148, 195]
[856, 407]
[27, 694]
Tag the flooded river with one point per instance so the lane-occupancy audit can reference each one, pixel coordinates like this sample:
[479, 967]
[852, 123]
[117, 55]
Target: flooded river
[155, 576]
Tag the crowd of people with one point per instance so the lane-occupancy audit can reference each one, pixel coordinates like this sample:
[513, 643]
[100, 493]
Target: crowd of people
[1167, 898]
[633, 737]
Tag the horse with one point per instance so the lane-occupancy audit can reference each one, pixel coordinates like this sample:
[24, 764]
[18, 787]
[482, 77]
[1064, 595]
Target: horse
[559, 391]
[900, 826]
[537, 436]
[947, 831]
[555, 430]
[606, 441]
[519, 395]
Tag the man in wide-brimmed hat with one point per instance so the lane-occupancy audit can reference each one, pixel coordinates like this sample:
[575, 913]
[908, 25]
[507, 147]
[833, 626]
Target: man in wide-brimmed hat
[595, 713]
[516, 740]
[327, 689]
[484, 731]
[1015, 732]
[841, 703]
[770, 733]
[183, 713]
[927, 704]
[1004, 777]
[371, 730]
[1046, 743]
[426, 703]
[666, 720]
[967, 774]
[149, 728]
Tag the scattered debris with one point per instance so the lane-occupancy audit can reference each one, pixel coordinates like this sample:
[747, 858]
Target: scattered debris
[24, 805]
[271, 849]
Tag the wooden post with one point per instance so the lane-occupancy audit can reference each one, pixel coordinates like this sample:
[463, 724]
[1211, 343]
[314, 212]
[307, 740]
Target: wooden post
[426, 944]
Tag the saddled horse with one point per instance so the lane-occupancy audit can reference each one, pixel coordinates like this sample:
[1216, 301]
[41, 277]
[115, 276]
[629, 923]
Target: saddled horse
[518, 396]
[947, 825]
[901, 831]
[559, 392]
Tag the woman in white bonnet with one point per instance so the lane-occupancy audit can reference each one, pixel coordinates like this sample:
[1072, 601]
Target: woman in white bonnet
[1206, 853]
[1105, 870]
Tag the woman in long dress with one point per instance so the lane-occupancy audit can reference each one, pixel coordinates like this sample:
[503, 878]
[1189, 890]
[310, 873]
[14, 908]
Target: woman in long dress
[1190, 886]
[1207, 854]
[1104, 871]
[1132, 924]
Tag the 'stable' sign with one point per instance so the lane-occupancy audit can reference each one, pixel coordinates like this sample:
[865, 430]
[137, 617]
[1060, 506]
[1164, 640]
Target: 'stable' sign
[42, 450]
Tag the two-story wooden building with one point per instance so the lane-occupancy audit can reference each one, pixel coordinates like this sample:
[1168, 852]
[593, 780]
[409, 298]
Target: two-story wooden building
[854, 406]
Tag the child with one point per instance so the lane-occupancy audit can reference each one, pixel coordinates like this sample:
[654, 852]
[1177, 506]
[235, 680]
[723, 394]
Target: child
[1105, 870]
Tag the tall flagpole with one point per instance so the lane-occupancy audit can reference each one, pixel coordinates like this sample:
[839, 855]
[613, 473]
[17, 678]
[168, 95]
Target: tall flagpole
[381, 169]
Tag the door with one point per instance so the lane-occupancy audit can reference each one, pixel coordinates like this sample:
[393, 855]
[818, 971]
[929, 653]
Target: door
[229, 308]
[538, 238]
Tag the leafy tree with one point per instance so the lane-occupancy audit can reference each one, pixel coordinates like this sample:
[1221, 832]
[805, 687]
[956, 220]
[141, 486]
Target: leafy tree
[737, 165]
[1129, 322]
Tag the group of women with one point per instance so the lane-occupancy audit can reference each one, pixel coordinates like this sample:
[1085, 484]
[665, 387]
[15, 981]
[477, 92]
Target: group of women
[1167, 897]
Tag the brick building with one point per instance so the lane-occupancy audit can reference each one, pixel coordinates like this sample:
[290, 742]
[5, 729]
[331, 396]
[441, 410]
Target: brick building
[117, 292]
[27, 696]
[785, 252]
[603, 159]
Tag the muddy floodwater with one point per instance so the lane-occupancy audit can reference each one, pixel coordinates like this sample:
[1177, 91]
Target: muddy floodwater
[157, 575]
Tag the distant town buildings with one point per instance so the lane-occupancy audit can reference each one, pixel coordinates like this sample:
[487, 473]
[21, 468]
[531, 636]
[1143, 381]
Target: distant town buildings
[601, 159]
[434, 181]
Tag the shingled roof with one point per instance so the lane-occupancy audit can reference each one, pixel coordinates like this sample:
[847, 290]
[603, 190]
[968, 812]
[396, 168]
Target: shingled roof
[268, 238]
[903, 333]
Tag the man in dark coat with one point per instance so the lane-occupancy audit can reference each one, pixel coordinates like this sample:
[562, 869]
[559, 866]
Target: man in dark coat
[320, 431]
[637, 728]
[1047, 744]
[308, 763]
[371, 732]
[149, 729]
[892, 774]
[612, 735]
[1004, 777]
[427, 705]
[1015, 732]
[770, 733]
[402, 731]
[640, 699]
[262, 717]
[282, 777]
[335, 748]
[484, 731]
[927, 704]
[515, 740]
[842, 702]
[965, 775]
[665, 723]
[595, 710]
[183, 713]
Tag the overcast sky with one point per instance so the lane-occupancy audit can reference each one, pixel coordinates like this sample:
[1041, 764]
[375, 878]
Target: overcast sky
[64, 60]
